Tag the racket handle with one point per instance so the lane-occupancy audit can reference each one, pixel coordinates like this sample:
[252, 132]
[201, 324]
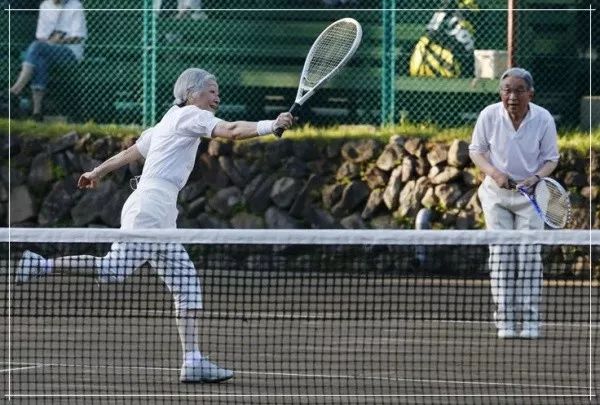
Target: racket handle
[294, 111]
[278, 132]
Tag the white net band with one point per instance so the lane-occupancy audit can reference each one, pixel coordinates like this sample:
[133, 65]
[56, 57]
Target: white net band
[302, 236]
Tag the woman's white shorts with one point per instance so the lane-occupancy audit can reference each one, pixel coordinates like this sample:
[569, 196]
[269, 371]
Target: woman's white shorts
[153, 205]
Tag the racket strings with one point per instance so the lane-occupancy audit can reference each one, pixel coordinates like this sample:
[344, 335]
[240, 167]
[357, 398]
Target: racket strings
[330, 51]
[554, 203]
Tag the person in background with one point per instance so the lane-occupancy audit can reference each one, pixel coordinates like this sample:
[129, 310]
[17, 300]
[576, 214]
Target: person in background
[514, 140]
[169, 149]
[193, 8]
[60, 35]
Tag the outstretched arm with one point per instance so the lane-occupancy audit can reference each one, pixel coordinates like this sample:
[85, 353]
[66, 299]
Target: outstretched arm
[90, 179]
[245, 129]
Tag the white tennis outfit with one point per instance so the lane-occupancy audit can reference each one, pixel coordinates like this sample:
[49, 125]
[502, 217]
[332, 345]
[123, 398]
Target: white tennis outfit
[170, 150]
[516, 272]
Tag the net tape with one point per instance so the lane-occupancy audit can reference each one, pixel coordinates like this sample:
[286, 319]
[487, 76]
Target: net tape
[304, 236]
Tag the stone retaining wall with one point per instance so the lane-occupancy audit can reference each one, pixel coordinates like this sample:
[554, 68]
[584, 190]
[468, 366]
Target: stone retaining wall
[279, 184]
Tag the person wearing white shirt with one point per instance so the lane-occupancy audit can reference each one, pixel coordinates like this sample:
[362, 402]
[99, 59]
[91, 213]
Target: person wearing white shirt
[514, 141]
[185, 7]
[60, 35]
[169, 149]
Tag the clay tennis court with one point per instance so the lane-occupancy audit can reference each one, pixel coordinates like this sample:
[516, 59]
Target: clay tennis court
[294, 338]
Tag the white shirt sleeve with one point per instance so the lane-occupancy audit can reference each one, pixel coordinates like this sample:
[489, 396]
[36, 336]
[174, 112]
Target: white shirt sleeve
[549, 141]
[194, 122]
[47, 20]
[479, 142]
[72, 20]
[143, 142]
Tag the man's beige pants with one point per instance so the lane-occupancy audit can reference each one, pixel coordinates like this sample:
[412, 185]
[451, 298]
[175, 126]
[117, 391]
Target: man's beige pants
[516, 271]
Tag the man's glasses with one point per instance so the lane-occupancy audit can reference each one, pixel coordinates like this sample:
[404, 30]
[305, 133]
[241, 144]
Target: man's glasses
[516, 92]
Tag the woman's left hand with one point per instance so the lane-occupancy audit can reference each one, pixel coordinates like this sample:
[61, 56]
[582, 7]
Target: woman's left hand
[87, 180]
[55, 38]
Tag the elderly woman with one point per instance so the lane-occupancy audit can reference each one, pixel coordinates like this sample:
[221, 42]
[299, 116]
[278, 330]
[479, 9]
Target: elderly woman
[61, 30]
[170, 149]
[514, 141]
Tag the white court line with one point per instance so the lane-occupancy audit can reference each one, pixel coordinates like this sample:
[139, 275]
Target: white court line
[11, 369]
[304, 375]
[27, 365]
[398, 379]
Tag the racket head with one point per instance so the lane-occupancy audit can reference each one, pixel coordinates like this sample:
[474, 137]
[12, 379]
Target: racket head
[329, 53]
[553, 202]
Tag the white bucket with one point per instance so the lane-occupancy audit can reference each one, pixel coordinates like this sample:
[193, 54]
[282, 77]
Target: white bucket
[490, 63]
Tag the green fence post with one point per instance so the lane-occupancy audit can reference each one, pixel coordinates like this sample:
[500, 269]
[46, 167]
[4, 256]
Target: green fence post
[388, 62]
[149, 65]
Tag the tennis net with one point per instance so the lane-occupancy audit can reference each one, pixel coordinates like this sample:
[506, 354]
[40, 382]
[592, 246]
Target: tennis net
[299, 316]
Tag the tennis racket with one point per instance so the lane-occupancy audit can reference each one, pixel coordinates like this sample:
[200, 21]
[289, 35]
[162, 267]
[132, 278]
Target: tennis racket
[550, 201]
[328, 54]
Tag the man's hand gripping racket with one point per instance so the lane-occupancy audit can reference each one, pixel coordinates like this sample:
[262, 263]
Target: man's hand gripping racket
[549, 199]
[328, 54]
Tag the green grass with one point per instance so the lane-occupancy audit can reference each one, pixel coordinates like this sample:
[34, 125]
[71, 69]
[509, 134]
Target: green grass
[568, 139]
[580, 141]
[56, 129]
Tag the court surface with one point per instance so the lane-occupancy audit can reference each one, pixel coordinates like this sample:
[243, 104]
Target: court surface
[294, 339]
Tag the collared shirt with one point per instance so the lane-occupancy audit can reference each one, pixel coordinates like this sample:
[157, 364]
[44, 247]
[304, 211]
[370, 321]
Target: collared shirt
[517, 153]
[67, 17]
[170, 147]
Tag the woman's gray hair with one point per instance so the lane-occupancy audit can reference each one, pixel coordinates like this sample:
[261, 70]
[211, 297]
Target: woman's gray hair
[189, 82]
[519, 73]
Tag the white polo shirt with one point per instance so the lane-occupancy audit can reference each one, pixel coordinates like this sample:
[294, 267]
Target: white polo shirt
[170, 146]
[517, 153]
[67, 17]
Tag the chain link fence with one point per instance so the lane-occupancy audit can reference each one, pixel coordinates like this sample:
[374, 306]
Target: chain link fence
[416, 65]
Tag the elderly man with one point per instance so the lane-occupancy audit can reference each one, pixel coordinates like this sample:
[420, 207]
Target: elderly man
[514, 141]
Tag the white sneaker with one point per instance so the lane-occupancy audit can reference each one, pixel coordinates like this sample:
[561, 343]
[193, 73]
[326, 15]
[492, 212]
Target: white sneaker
[30, 265]
[531, 333]
[202, 370]
[507, 333]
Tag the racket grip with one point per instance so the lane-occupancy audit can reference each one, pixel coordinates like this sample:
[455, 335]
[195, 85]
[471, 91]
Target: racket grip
[294, 111]
[278, 132]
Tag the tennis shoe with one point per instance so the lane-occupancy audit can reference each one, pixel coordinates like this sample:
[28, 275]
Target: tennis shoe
[30, 265]
[202, 370]
[507, 333]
